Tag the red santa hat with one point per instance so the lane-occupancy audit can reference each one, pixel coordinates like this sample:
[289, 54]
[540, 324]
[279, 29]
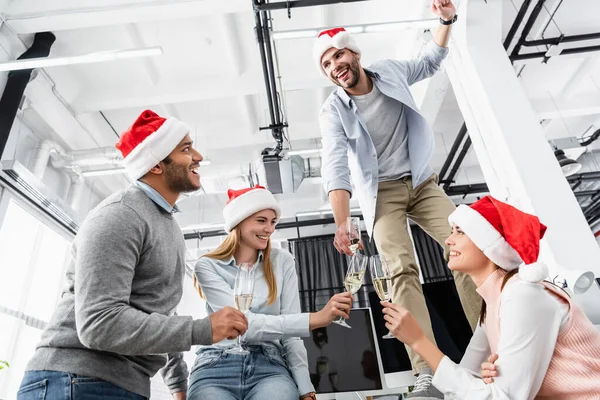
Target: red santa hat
[148, 141]
[245, 202]
[336, 37]
[507, 236]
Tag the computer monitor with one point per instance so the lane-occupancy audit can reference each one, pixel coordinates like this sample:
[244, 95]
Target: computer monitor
[345, 360]
[450, 327]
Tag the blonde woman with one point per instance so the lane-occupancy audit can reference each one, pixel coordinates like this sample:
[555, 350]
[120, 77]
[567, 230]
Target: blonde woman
[276, 366]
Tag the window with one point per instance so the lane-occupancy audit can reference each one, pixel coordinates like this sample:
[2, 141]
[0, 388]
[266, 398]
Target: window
[32, 263]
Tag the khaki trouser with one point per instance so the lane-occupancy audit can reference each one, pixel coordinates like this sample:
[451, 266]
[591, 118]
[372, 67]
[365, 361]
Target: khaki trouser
[429, 207]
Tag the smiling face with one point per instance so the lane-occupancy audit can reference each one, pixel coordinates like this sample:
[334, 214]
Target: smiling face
[465, 256]
[181, 167]
[342, 67]
[256, 230]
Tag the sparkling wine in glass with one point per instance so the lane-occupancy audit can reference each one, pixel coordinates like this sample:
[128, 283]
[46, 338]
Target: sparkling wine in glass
[243, 292]
[353, 232]
[353, 280]
[382, 280]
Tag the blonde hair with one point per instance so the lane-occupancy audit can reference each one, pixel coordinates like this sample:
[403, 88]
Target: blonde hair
[228, 248]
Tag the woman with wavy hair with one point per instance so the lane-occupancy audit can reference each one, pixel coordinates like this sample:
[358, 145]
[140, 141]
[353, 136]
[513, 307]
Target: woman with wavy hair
[276, 366]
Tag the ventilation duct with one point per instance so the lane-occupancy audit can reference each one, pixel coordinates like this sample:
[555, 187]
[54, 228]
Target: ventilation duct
[104, 159]
[16, 176]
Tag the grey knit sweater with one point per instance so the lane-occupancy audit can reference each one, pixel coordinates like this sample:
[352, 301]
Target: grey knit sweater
[116, 317]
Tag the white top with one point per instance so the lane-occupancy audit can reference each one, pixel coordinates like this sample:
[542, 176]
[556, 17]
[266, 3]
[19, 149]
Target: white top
[531, 320]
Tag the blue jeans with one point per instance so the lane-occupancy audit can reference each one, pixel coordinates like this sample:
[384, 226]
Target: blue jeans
[54, 385]
[262, 374]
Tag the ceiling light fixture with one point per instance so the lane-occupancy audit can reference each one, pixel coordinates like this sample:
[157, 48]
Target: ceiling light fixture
[568, 166]
[89, 58]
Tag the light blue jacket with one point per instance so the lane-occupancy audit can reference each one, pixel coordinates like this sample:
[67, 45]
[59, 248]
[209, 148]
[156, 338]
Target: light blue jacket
[348, 150]
[277, 326]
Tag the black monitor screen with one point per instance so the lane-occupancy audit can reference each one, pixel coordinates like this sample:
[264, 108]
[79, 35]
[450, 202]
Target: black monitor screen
[342, 359]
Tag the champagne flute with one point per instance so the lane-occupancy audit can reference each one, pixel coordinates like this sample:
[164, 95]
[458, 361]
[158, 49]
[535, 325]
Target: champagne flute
[243, 292]
[382, 280]
[353, 232]
[353, 281]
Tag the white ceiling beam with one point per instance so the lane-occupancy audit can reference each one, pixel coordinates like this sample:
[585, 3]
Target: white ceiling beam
[588, 104]
[234, 52]
[163, 93]
[574, 80]
[24, 18]
[249, 113]
[232, 45]
[431, 100]
[150, 67]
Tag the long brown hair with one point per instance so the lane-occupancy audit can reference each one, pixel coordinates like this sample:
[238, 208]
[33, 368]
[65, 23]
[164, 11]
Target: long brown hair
[483, 313]
[228, 248]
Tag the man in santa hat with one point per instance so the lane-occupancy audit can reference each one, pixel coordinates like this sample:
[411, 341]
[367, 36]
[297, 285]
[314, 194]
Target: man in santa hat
[115, 325]
[373, 132]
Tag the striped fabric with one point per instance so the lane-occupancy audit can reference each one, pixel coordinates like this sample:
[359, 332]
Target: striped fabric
[574, 372]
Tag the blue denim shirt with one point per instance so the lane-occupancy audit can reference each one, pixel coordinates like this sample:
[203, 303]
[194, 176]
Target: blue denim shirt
[348, 150]
[277, 326]
[157, 197]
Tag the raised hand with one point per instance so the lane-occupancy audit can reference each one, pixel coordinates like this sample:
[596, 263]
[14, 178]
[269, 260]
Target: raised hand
[443, 8]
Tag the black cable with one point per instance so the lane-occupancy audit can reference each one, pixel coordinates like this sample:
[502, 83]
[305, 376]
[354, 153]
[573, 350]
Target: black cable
[594, 136]
[109, 124]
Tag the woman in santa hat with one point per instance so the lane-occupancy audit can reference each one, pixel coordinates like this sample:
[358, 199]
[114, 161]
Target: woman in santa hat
[546, 348]
[276, 366]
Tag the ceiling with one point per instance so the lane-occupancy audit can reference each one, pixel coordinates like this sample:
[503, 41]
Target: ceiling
[210, 76]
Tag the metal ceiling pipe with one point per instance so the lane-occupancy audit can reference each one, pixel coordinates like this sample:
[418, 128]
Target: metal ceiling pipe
[17, 82]
[78, 160]
[263, 37]
[528, 25]
[263, 58]
[562, 39]
[287, 5]
[41, 156]
[457, 142]
[76, 191]
[89, 157]
[282, 225]
[515, 26]
[565, 52]
[458, 162]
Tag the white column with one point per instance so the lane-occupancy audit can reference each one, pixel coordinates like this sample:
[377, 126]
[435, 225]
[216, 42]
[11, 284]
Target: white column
[517, 161]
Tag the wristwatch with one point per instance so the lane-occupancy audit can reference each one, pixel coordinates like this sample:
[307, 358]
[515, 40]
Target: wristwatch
[450, 21]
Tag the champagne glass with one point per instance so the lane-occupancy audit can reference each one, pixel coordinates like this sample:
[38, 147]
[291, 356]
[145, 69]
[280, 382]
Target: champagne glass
[243, 292]
[353, 232]
[382, 280]
[353, 281]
